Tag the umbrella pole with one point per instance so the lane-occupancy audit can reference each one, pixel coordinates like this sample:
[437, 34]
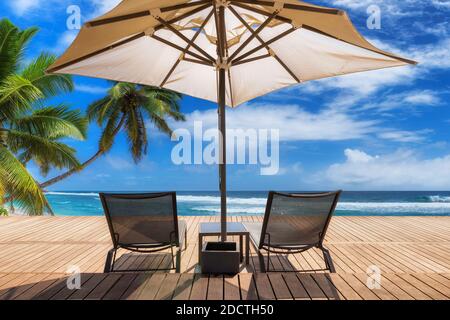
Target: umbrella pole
[222, 157]
[222, 126]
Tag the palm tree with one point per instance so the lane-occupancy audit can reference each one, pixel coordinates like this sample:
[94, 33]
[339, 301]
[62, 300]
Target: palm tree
[30, 131]
[126, 108]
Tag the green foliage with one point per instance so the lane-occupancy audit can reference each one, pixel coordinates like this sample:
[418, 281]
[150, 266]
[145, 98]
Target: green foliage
[127, 106]
[3, 212]
[30, 131]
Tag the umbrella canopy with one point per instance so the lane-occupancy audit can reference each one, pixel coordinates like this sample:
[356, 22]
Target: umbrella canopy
[225, 51]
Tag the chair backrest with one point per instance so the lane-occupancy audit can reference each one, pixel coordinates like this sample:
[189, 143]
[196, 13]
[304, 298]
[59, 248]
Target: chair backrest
[141, 220]
[293, 220]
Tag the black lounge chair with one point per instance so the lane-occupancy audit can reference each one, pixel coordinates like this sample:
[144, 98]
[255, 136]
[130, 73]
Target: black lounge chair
[144, 223]
[294, 223]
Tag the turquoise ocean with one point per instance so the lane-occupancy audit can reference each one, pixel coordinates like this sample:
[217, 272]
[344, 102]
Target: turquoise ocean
[379, 203]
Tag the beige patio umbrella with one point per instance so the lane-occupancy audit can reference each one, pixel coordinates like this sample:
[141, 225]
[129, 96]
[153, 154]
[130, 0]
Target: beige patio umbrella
[228, 52]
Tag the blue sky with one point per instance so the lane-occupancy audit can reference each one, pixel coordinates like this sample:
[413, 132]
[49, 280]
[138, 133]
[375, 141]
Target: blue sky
[382, 130]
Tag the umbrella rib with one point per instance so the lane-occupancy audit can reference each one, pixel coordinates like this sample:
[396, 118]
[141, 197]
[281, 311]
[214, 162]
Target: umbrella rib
[287, 20]
[181, 49]
[183, 37]
[135, 37]
[264, 56]
[264, 44]
[184, 5]
[145, 13]
[292, 6]
[312, 29]
[181, 17]
[209, 64]
[259, 11]
[187, 48]
[254, 34]
[90, 55]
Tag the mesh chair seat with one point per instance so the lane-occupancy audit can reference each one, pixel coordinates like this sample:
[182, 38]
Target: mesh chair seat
[294, 222]
[285, 235]
[143, 223]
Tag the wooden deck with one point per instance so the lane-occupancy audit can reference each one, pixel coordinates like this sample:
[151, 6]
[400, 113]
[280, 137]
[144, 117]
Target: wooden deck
[413, 254]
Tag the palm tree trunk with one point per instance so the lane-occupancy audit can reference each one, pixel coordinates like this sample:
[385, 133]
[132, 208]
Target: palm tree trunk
[63, 176]
[97, 155]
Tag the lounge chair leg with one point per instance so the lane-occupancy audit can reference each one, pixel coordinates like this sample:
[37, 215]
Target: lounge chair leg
[178, 267]
[173, 257]
[328, 260]
[109, 260]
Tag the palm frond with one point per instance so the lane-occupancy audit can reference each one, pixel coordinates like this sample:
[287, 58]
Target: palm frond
[17, 95]
[17, 182]
[110, 131]
[161, 124]
[49, 84]
[42, 150]
[137, 134]
[53, 122]
[12, 45]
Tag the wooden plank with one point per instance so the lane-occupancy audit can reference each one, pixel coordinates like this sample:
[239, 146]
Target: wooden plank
[103, 287]
[295, 287]
[265, 291]
[168, 286]
[248, 287]
[151, 286]
[87, 287]
[20, 285]
[407, 287]
[379, 290]
[344, 289]
[231, 288]
[439, 286]
[280, 288]
[65, 292]
[38, 287]
[136, 286]
[199, 287]
[184, 286]
[120, 287]
[311, 287]
[412, 252]
[326, 285]
[215, 288]
[424, 287]
[359, 287]
[52, 290]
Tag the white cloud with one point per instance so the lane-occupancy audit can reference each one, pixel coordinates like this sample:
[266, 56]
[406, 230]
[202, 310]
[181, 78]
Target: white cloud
[404, 136]
[90, 89]
[294, 123]
[297, 124]
[357, 156]
[422, 98]
[441, 3]
[404, 100]
[403, 169]
[21, 7]
[118, 163]
[103, 6]
[432, 56]
[367, 83]
[64, 41]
